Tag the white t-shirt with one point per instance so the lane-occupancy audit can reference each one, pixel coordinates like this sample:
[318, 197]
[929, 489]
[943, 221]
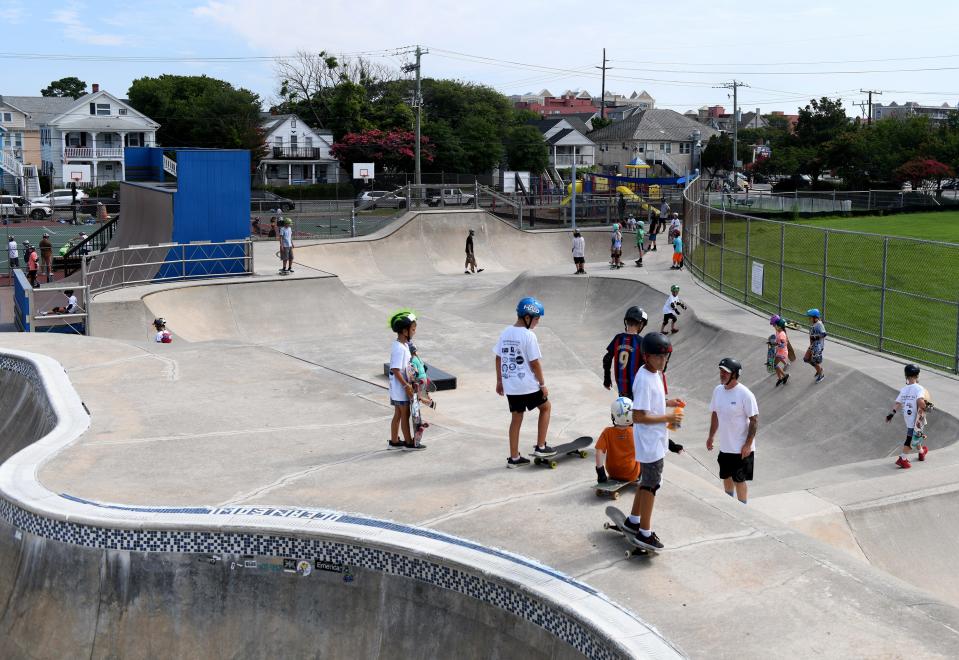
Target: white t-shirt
[286, 236]
[908, 397]
[71, 304]
[733, 408]
[164, 337]
[668, 305]
[516, 348]
[12, 249]
[399, 359]
[649, 394]
[579, 246]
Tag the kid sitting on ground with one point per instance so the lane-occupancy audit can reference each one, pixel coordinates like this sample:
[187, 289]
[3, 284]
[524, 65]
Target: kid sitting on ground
[616, 447]
[72, 307]
[163, 336]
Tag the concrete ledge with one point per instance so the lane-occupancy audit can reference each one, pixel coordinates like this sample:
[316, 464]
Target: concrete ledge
[568, 610]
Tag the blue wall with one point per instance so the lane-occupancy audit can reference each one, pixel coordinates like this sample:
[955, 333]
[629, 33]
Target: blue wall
[212, 202]
[143, 164]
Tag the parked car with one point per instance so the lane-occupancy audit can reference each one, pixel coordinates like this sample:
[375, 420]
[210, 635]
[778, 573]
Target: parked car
[372, 199]
[59, 198]
[264, 200]
[11, 206]
[451, 197]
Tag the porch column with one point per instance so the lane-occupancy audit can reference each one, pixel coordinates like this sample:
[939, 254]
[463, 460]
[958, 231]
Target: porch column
[123, 155]
[265, 168]
[313, 171]
[94, 174]
[289, 174]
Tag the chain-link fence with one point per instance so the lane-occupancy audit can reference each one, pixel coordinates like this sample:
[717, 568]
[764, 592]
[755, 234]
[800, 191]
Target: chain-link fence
[824, 202]
[892, 294]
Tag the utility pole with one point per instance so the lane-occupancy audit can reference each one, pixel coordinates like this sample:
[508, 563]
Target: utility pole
[602, 93]
[418, 104]
[735, 85]
[870, 92]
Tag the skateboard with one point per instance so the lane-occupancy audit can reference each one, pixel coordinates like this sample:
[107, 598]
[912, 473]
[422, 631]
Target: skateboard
[610, 488]
[790, 351]
[575, 448]
[284, 273]
[771, 354]
[416, 412]
[616, 523]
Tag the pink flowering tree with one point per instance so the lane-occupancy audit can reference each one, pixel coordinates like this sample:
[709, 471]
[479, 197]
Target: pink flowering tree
[392, 150]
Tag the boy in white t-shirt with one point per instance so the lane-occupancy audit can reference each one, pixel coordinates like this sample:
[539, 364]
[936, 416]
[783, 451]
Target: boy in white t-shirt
[671, 310]
[71, 307]
[912, 401]
[650, 435]
[403, 323]
[735, 414]
[519, 375]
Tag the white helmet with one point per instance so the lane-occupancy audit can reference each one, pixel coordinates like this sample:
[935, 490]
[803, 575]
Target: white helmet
[621, 410]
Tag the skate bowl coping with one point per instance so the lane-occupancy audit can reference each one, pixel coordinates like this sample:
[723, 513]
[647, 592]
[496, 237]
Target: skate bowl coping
[95, 578]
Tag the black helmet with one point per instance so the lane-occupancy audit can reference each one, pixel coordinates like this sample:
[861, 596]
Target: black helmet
[636, 315]
[656, 343]
[732, 365]
[911, 371]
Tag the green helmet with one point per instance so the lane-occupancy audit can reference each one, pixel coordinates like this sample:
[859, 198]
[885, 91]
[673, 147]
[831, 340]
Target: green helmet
[674, 289]
[402, 319]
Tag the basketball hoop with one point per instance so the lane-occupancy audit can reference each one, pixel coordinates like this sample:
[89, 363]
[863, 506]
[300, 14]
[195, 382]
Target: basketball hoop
[76, 176]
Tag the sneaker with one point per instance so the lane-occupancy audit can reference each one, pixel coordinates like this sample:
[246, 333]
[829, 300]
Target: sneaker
[289, 270]
[819, 377]
[922, 452]
[543, 451]
[394, 445]
[480, 270]
[631, 528]
[654, 248]
[466, 272]
[779, 381]
[652, 541]
[415, 446]
[903, 463]
[516, 462]
[785, 379]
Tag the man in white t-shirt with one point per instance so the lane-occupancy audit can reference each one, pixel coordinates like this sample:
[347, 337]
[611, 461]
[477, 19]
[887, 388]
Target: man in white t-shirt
[912, 401]
[519, 375]
[650, 435]
[286, 245]
[735, 414]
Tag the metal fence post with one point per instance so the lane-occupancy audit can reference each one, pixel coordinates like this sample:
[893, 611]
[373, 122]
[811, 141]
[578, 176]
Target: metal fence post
[882, 291]
[709, 220]
[956, 368]
[183, 260]
[519, 212]
[746, 269]
[722, 250]
[825, 270]
[782, 264]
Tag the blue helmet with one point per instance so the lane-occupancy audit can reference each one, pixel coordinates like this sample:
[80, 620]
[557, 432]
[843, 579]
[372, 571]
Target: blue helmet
[813, 313]
[530, 306]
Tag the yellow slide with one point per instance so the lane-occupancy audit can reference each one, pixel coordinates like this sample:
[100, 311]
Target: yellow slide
[630, 196]
[569, 192]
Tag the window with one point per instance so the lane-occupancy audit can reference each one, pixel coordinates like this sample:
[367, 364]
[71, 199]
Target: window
[309, 142]
[133, 140]
[7, 117]
[669, 148]
[106, 139]
[121, 111]
[685, 147]
[108, 167]
[18, 139]
[73, 139]
[292, 142]
[103, 109]
[278, 141]
[293, 122]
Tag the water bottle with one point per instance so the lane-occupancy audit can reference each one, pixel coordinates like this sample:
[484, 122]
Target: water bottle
[672, 426]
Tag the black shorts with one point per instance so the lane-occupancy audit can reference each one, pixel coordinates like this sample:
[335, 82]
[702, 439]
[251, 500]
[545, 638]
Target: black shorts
[519, 403]
[735, 467]
[669, 317]
[579, 260]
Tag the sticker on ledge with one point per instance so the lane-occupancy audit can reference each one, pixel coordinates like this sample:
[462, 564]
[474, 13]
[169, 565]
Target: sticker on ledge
[304, 568]
[289, 565]
[330, 566]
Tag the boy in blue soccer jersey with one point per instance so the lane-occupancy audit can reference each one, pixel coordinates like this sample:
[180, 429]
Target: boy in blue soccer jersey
[623, 354]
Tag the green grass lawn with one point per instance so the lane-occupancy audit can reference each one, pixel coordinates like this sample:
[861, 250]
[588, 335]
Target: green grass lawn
[843, 275]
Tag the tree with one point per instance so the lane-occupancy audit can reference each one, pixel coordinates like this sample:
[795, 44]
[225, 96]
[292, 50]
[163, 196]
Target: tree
[526, 149]
[918, 170]
[391, 150]
[198, 111]
[70, 86]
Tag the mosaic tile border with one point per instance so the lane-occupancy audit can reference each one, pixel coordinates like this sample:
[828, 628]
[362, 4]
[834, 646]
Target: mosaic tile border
[569, 610]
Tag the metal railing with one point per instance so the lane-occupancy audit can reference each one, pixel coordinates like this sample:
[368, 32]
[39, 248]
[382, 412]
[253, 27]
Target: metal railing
[10, 164]
[827, 202]
[145, 264]
[169, 165]
[892, 294]
[90, 152]
[301, 153]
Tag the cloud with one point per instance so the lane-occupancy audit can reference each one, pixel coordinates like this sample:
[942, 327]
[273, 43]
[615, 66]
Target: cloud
[77, 29]
[12, 11]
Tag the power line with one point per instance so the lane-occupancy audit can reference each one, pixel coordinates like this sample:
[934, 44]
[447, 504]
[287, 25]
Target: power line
[870, 92]
[754, 63]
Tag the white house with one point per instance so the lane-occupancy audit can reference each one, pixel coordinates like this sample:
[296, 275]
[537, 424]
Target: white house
[567, 142]
[85, 142]
[296, 153]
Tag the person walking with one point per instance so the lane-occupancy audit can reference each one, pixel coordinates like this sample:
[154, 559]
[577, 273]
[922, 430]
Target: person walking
[640, 240]
[735, 415]
[623, 356]
[781, 362]
[817, 341]
[621, 207]
[470, 256]
[46, 256]
[663, 210]
[13, 254]
[650, 436]
[912, 402]
[519, 376]
[33, 265]
[579, 253]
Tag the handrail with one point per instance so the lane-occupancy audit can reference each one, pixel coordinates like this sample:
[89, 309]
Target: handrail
[95, 242]
[169, 165]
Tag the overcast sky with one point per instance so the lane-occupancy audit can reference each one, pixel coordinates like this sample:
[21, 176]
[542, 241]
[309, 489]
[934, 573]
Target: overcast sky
[677, 51]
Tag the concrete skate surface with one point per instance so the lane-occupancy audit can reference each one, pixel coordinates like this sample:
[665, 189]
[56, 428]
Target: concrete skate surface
[273, 393]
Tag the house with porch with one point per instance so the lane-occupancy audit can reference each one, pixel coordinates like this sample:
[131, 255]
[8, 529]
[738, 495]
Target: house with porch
[567, 142]
[19, 150]
[296, 154]
[85, 141]
[660, 137]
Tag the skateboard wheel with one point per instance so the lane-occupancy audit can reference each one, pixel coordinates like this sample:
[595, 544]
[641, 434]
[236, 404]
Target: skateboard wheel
[599, 493]
[615, 496]
[582, 454]
[536, 460]
[629, 554]
[606, 525]
[552, 465]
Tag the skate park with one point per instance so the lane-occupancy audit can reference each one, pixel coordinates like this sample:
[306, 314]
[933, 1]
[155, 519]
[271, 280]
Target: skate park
[271, 399]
